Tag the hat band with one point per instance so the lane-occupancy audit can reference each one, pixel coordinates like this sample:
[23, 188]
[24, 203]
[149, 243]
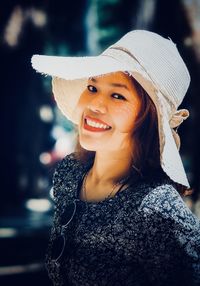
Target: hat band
[130, 63]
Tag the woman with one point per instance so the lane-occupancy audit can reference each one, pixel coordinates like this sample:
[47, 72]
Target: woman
[119, 216]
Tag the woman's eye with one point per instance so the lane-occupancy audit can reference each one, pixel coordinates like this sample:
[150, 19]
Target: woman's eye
[118, 96]
[91, 88]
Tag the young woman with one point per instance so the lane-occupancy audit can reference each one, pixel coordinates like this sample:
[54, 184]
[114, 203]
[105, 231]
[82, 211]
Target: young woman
[119, 214]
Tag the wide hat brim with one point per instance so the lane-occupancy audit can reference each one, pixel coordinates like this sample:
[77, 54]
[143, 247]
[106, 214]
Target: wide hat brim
[70, 75]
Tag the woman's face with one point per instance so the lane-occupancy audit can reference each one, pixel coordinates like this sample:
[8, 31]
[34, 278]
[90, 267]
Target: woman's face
[107, 110]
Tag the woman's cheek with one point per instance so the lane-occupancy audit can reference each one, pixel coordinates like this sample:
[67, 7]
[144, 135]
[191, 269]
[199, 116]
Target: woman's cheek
[125, 115]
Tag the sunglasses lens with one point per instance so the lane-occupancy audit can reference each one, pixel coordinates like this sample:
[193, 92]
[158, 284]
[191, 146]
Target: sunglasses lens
[68, 213]
[58, 247]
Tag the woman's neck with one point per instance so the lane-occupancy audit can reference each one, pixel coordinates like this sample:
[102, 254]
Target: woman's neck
[110, 167]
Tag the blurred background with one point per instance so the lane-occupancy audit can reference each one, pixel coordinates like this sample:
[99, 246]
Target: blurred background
[35, 135]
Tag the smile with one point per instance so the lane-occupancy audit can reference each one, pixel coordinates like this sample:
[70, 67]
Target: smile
[95, 125]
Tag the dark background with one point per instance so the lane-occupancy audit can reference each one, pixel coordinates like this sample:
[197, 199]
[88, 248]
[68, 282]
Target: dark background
[29, 144]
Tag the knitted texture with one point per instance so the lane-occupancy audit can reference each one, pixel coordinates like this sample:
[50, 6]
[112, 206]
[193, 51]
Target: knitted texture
[144, 235]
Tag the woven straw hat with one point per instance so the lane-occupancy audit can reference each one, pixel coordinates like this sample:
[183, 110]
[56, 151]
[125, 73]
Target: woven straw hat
[153, 61]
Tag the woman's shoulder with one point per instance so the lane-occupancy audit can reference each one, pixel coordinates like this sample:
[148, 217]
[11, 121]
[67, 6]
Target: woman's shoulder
[67, 162]
[66, 174]
[68, 165]
[164, 200]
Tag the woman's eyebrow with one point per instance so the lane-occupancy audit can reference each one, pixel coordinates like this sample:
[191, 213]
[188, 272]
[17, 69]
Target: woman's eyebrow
[92, 79]
[119, 85]
[112, 84]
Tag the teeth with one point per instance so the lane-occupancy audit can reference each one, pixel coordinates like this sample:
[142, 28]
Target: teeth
[95, 124]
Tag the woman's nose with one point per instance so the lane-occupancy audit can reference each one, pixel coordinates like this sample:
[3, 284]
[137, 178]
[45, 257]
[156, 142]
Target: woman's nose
[98, 104]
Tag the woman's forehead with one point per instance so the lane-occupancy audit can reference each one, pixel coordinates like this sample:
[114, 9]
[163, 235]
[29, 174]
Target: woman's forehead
[119, 75]
[116, 79]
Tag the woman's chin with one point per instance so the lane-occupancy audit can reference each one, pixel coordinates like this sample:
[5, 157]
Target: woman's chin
[89, 146]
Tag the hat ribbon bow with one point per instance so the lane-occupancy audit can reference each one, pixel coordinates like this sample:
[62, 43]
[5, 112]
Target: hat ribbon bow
[177, 118]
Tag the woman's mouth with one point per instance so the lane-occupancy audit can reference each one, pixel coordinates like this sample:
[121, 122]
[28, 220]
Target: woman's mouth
[95, 125]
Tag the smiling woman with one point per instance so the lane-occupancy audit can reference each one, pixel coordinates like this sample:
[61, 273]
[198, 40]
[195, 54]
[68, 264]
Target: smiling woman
[121, 105]
[115, 106]
[120, 218]
[113, 101]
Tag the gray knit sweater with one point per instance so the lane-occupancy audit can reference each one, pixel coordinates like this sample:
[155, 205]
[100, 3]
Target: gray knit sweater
[145, 235]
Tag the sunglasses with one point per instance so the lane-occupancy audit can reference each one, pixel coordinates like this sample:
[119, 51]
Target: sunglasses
[59, 243]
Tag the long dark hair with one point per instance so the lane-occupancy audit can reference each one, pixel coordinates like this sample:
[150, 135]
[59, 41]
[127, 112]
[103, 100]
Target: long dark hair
[146, 157]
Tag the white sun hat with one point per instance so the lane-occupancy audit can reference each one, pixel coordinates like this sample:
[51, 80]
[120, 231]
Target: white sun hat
[153, 61]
